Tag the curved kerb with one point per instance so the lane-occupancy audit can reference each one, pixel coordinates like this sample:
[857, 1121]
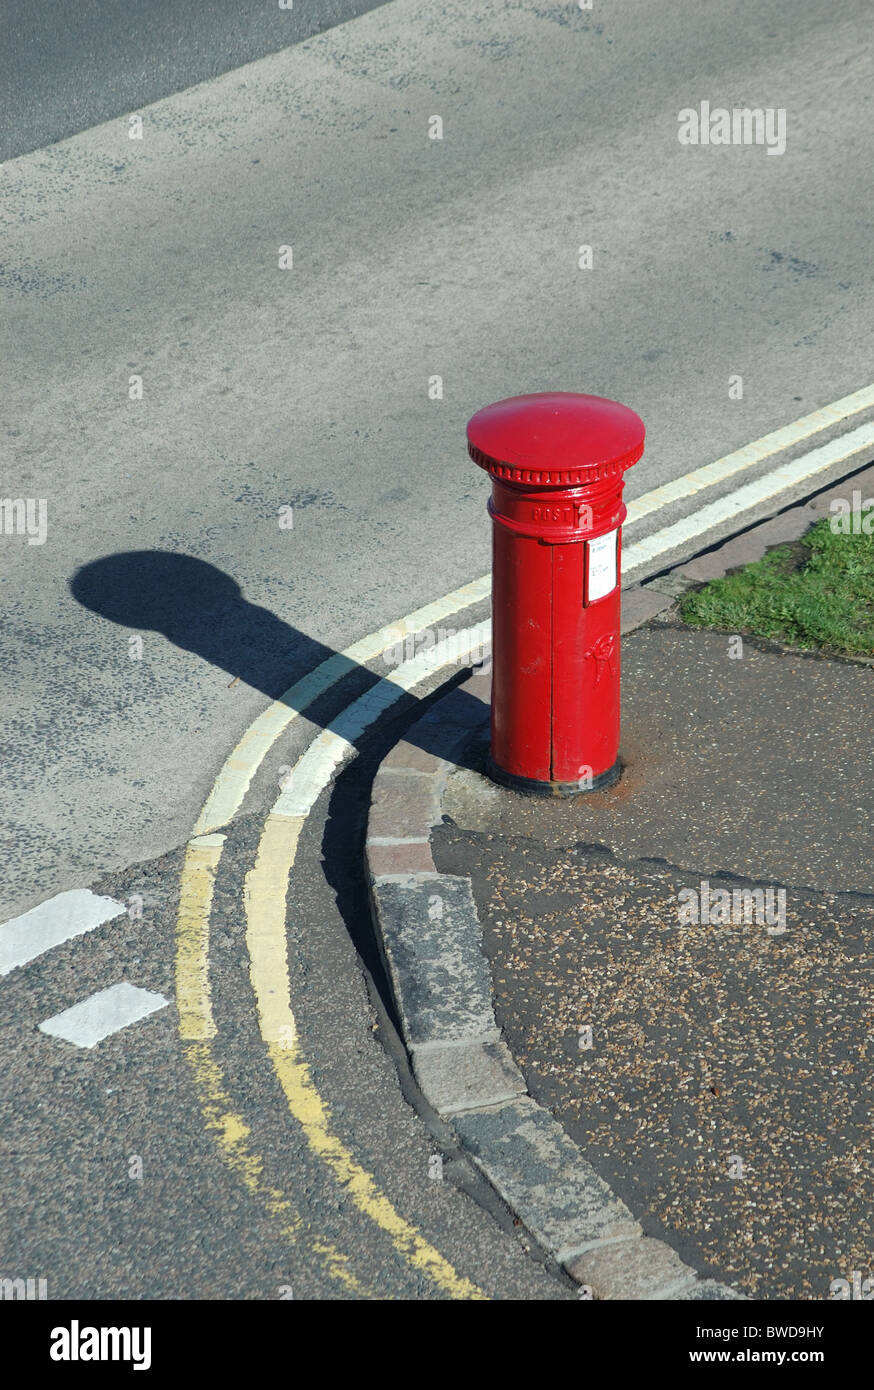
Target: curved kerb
[431, 941]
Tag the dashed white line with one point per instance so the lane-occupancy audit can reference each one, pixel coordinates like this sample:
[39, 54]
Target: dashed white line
[73, 913]
[51, 923]
[104, 1013]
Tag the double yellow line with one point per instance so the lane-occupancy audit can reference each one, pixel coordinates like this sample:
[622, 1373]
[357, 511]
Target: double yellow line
[197, 1029]
[266, 887]
[265, 894]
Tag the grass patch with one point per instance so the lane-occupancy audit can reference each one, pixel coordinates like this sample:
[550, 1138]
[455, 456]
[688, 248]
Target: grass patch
[818, 593]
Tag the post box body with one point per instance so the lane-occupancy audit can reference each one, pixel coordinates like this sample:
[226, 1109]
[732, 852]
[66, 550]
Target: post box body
[557, 462]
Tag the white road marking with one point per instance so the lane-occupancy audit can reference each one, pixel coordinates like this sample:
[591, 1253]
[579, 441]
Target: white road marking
[694, 528]
[49, 924]
[71, 914]
[104, 1013]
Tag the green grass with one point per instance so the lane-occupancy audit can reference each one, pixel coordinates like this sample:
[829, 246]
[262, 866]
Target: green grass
[818, 593]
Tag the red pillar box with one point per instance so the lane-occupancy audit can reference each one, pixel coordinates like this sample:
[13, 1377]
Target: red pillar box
[557, 461]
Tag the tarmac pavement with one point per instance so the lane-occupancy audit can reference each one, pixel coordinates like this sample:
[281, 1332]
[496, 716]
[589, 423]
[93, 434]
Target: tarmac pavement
[724, 1088]
[193, 1155]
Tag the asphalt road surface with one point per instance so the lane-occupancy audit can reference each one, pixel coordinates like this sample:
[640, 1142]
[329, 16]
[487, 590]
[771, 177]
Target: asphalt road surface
[64, 68]
[218, 342]
[308, 387]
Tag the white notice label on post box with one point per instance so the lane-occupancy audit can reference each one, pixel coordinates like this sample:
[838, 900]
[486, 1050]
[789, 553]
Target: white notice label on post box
[601, 574]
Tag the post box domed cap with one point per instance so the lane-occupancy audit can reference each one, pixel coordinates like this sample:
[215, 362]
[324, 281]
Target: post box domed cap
[555, 438]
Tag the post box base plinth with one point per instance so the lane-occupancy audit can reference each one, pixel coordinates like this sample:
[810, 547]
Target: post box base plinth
[529, 786]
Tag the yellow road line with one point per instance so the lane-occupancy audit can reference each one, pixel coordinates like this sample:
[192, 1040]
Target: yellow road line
[234, 779]
[196, 1029]
[774, 443]
[196, 1021]
[193, 1002]
[336, 743]
[733, 505]
[265, 904]
[197, 1025]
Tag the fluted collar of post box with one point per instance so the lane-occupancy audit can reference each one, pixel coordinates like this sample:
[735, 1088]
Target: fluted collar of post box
[555, 439]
